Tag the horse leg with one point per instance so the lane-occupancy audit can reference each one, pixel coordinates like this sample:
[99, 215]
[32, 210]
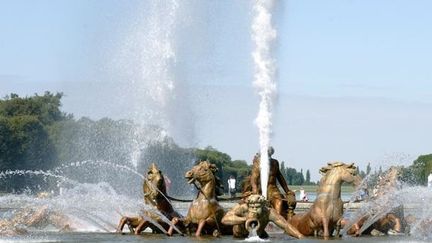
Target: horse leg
[213, 223]
[122, 223]
[129, 224]
[325, 223]
[141, 226]
[397, 225]
[174, 221]
[200, 227]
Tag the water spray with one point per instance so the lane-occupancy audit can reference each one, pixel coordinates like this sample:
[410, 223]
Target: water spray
[263, 35]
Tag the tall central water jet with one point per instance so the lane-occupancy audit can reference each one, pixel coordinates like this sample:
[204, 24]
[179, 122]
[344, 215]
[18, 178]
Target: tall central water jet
[263, 35]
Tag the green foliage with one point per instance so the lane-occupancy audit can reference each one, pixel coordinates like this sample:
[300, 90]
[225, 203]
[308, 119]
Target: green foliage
[86, 139]
[7, 146]
[294, 177]
[25, 142]
[368, 169]
[172, 160]
[308, 177]
[212, 155]
[45, 108]
[238, 168]
[418, 172]
[25, 124]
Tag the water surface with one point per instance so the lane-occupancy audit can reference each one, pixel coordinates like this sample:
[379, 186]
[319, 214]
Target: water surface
[148, 237]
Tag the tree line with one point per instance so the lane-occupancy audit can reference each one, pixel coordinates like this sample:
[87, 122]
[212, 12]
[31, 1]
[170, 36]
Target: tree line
[35, 134]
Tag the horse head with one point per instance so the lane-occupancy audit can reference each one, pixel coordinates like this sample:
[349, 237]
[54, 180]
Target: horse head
[341, 172]
[204, 174]
[154, 184]
[391, 176]
[388, 181]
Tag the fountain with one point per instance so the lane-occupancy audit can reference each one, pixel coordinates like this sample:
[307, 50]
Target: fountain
[394, 208]
[104, 182]
[263, 35]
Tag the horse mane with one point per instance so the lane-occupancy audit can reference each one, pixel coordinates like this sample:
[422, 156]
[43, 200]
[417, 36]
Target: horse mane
[162, 189]
[394, 172]
[331, 165]
[389, 178]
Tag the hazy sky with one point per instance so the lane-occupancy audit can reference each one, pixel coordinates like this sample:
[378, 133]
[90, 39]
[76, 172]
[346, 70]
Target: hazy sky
[354, 77]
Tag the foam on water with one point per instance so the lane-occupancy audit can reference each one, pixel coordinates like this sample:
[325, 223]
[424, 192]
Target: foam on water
[253, 237]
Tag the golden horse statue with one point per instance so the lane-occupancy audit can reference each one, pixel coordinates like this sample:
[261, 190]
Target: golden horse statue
[326, 212]
[155, 195]
[205, 213]
[379, 215]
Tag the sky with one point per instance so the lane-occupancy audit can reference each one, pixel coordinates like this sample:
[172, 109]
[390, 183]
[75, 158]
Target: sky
[354, 77]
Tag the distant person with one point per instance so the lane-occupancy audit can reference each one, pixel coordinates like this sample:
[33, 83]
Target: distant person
[305, 197]
[361, 195]
[364, 193]
[430, 180]
[231, 186]
[302, 194]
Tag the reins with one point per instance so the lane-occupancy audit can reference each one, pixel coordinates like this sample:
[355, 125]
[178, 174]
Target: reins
[223, 199]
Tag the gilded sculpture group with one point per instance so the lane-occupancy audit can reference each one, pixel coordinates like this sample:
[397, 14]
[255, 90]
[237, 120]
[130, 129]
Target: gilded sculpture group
[254, 211]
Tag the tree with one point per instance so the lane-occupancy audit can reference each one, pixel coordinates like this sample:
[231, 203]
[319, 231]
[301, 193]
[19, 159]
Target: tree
[172, 160]
[293, 177]
[361, 173]
[25, 143]
[26, 147]
[368, 169]
[308, 182]
[417, 172]
[226, 167]
[282, 168]
[45, 108]
[7, 148]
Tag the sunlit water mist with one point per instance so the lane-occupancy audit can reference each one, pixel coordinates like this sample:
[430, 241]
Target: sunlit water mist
[146, 70]
[90, 207]
[411, 203]
[263, 34]
[149, 56]
[86, 206]
[104, 183]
